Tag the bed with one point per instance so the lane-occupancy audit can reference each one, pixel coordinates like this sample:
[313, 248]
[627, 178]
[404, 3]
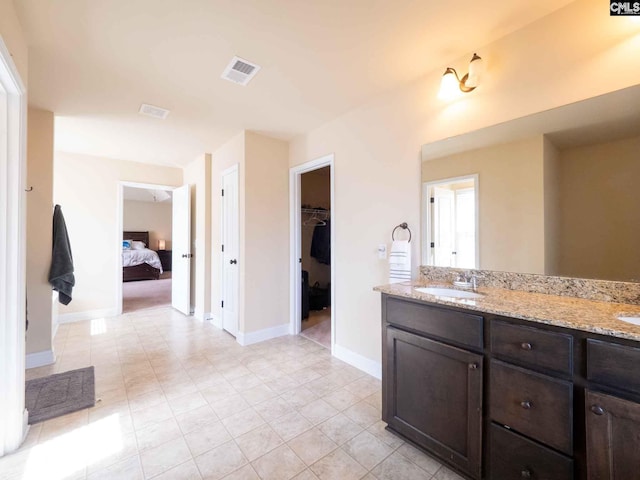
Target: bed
[143, 264]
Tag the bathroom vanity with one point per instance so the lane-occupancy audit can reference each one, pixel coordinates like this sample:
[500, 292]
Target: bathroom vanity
[514, 384]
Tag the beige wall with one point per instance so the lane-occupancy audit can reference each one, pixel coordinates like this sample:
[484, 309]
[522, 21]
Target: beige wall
[600, 205]
[316, 192]
[198, 175]
[13, 37]
[266, 239]
[376, 146]
[510, 201]
[552, 197]
[154, 217]
[39, 229]
[87, 189]
[230, 154]
[264, 229]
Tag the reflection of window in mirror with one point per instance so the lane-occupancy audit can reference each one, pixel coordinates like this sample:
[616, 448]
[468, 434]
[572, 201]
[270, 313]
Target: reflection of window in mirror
[451, 228]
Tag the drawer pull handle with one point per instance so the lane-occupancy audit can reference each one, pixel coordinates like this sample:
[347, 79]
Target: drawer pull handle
[597, 409]
[526, 405]
[526, 346]
[473, 366]
[526, 473]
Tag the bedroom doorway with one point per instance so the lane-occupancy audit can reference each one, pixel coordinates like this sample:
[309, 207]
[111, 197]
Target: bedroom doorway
[146, 224]
[313, 239]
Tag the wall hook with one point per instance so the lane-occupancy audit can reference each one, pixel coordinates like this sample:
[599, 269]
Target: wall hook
[30, 189]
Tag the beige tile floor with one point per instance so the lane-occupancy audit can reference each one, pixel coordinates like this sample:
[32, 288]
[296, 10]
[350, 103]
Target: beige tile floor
[180, 399]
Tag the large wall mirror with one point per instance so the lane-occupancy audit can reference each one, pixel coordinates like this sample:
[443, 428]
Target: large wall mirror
[555, 193]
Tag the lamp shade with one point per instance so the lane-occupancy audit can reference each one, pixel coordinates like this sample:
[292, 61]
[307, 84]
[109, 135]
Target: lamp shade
[161, 245]
[449, 85]
[476, 68]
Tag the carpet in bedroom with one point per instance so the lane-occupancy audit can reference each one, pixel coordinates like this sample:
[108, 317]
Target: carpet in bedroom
[146, 294]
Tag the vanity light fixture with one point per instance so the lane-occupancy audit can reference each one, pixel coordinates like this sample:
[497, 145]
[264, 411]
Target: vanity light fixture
[451, 84]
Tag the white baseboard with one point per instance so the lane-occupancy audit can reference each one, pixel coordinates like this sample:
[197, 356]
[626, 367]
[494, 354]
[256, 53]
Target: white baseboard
[216, 321]
[40, 359]
[87, 315]
[354, 359]
[262, 335]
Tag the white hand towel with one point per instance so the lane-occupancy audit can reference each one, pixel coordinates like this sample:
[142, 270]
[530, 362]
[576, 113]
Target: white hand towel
[400, 261]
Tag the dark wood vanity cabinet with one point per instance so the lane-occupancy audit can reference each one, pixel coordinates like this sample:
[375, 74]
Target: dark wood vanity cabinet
[500, 398]
[612, 411]
[432, 388]
[613, 437]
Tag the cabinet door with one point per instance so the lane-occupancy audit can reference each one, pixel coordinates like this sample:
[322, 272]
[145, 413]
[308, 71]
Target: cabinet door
[434, 397]
[613, 437]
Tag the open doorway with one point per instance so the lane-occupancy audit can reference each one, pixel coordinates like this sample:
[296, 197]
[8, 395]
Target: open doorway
[313, 315]
[315, 211]
[146, 248]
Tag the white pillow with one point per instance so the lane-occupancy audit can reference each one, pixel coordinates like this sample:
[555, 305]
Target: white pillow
[137, 245]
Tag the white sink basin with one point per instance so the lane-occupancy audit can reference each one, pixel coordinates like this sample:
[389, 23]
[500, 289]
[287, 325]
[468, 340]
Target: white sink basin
[448, 292]
[630, 319]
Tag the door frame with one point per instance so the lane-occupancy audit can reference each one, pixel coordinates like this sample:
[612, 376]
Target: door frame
[220, 324]
[13, 160]
[295, 249]
[119, 225]
[426, 214]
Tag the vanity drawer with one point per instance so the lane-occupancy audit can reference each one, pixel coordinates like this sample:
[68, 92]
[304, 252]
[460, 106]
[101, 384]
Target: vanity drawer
[513, 456]
[461, 328]
[533, 347]
[535, 405]
[614, 365]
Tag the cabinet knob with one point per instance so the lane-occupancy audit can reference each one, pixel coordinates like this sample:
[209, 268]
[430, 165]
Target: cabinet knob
[473, 366]
[526, 405]
[526, 346]
[597, 409]
[526, 473]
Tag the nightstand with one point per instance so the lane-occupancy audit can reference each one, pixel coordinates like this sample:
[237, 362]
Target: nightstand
[165, 259]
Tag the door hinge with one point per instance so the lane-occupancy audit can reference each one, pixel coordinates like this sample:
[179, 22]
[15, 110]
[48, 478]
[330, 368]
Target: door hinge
[432, 200]
[433, 245]
[222, 304]
[223, 248]
[223, 192]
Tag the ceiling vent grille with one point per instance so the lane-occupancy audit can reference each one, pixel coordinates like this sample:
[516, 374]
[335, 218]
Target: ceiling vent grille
[240, 71]
[153, 111]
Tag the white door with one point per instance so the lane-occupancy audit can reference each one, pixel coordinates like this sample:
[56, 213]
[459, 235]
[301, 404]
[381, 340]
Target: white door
[443, 227]
[230, 250]
[181, 257]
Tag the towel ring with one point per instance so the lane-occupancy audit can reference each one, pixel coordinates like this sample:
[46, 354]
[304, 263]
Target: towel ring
[403, 226]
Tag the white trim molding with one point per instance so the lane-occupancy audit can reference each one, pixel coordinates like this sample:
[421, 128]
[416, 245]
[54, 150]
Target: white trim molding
[295, 243]
[13, 145]
[87, 315]
[354, 359]
[262, 335]
[216, 321]
[40, 359]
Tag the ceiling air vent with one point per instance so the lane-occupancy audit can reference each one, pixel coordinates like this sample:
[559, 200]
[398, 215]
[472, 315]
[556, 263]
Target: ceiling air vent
[153, 111]
[240, 71]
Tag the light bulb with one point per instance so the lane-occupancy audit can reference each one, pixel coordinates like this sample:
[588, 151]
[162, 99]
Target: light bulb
[475, 71]
[449, 86]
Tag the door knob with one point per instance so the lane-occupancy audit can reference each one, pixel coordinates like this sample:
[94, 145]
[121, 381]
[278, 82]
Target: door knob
[526, 346]
[233, 262]
[187, 255]
[526, 405]
[597, 409]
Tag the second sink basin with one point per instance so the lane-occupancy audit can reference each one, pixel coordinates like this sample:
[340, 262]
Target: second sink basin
[448, 292]
[634, 320]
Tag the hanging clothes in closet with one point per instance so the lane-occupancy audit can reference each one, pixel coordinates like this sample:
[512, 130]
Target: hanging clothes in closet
[321, 243]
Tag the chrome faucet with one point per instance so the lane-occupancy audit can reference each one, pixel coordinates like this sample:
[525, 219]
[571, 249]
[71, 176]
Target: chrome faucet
[466, 280]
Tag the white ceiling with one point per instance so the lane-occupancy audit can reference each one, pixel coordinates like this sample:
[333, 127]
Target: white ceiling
[147, 195]
[94, 62]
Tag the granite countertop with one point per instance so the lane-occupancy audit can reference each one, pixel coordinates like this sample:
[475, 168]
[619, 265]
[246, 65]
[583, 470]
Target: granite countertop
[561, 311]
